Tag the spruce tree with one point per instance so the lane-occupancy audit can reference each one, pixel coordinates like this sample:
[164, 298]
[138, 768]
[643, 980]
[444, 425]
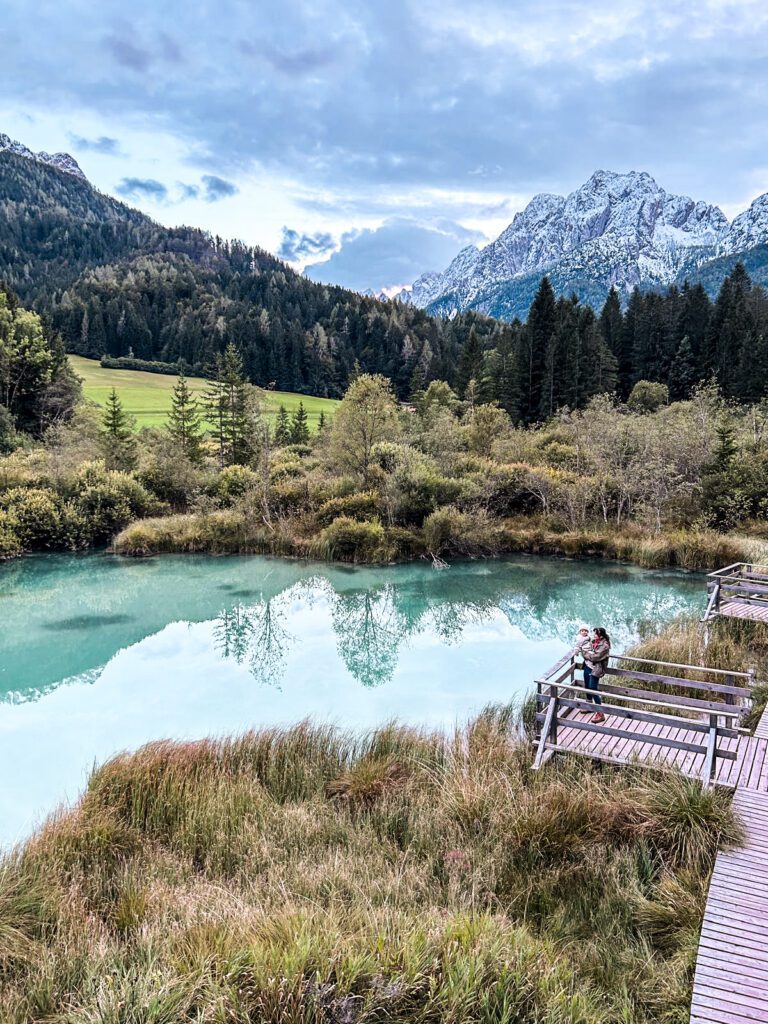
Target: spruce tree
[299, 426]
[117, 436]
[227, 403]
[321, 422]
[612, 323]
[282, 427]
[471, 362]
[536, 342]
[184, 422]
[682, 373]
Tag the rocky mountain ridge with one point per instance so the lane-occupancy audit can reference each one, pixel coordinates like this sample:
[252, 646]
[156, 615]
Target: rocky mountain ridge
[61, 161]
[620, 230]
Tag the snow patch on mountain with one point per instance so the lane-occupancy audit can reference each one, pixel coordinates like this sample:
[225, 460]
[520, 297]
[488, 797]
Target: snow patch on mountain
[61, 161]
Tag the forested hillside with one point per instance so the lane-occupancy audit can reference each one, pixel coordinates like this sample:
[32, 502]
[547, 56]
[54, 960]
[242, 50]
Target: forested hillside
[112, 281]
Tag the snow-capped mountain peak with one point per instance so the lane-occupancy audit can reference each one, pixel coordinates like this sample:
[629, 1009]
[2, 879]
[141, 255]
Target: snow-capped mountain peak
[61, 161]
[618, 229]
[750, 228]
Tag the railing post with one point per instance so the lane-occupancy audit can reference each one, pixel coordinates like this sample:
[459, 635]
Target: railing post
[555, 694]
[708, 775]
[550, 727]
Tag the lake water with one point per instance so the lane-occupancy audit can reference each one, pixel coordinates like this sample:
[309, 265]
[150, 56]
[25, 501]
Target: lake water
[100, 654]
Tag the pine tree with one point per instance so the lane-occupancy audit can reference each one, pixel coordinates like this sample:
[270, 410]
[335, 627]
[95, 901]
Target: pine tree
[227, 402]
[184, 422]
[117, 435]
[321, 422]
[536, 341]
[682, 373]
[282, 427]
[299, 426]
[471, 362]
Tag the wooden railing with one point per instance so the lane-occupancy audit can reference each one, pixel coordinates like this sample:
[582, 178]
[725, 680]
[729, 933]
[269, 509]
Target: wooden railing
[709, 707]
[745, 582]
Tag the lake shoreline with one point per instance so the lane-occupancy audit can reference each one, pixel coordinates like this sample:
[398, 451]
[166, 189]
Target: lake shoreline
[353, 542]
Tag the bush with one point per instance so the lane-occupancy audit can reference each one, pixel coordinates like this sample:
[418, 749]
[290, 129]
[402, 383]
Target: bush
[107, 500]
[234, 481]
[347, 540]
[361, 505]
[10, 545]
[33, 515]
[450, 531]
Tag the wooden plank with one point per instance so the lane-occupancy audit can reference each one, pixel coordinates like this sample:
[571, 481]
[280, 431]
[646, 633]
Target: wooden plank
[679, 664]
[649, 738]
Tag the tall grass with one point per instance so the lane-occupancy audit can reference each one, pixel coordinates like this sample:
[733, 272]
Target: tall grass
[318, 875]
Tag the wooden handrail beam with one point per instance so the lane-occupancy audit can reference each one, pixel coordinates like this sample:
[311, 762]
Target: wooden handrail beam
[673, 664]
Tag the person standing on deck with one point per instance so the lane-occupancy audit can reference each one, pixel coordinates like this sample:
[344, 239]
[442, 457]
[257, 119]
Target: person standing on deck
[582, 649]
[596, 660]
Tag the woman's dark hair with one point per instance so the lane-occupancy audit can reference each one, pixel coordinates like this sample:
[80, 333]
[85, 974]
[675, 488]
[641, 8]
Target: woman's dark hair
[602, 634]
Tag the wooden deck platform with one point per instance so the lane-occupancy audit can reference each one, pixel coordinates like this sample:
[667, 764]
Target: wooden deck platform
[739, 610]
[749, 769]
[731, 981]
[738, 591]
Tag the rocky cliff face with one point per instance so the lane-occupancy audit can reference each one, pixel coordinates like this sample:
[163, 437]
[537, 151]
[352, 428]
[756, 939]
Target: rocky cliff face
[616, 229]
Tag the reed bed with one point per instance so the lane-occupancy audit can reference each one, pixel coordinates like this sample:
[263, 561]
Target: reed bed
[314, 875]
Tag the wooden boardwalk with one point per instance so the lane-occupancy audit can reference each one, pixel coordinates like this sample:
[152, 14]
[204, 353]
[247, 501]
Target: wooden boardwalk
[689, 719]
[731, 981]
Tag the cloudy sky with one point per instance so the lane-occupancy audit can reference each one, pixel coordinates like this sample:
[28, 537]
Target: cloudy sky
[386, 134]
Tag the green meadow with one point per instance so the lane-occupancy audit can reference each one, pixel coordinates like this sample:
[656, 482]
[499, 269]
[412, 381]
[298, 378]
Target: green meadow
[147, 396]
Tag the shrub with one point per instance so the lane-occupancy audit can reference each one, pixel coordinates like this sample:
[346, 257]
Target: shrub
[10, 544]
[289, 495]
[108, 500]
[234, 481]
[347, 540]
[34, 516]
[450, 531]
[360, 505]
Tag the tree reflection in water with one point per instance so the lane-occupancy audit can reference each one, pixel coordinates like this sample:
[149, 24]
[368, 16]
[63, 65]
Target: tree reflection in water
[372, 624]
[369, 630]
[256, 634]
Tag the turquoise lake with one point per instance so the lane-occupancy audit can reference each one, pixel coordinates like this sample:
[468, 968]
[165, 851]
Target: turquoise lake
[100, 654]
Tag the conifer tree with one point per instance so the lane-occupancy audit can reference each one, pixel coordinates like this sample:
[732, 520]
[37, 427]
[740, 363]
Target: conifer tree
[228, 406]
[117, 436]
[321, 422]
[536, 341]
[471, 362]
[282, 427]
[184, 422]
[299, 426]
[682, 373]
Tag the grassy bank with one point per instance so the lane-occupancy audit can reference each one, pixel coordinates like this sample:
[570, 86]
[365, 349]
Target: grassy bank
[311, 875]
[446, 533]
[147, 396]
